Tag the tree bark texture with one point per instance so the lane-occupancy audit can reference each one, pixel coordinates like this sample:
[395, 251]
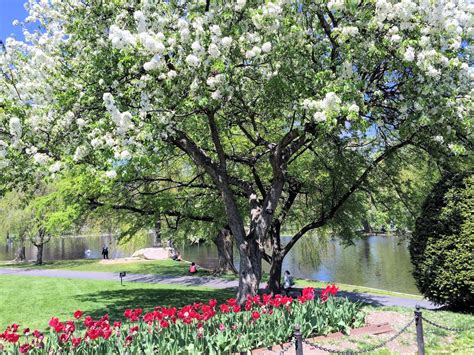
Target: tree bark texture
[225, 252]
[39, 241]
[367, 227]
[39, 254]
[274, 281]
[21, 254]
[250, 269]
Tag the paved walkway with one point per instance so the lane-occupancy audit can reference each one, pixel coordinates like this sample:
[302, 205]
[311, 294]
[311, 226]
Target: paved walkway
[375, 300]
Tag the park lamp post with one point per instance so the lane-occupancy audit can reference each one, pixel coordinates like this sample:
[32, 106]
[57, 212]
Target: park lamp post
[122, 275]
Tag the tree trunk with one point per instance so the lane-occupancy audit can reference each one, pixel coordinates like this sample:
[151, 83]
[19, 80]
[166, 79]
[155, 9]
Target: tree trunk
[40, 240]
[274, 281]
[367, 227]
[39, 254]
[225, 252]
[250, 269]
[157, 232]
[250, 255]
[21, 253]
[21, 256]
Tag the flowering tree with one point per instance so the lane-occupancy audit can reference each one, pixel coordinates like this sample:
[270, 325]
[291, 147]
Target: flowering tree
[270, 101]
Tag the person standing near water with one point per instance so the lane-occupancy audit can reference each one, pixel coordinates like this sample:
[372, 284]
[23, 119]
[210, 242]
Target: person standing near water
[105, 252]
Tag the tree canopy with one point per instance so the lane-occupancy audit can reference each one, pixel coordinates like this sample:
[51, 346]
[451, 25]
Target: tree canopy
[271, 105]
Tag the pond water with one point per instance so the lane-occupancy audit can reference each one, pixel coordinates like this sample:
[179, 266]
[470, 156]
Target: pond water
[374, 261]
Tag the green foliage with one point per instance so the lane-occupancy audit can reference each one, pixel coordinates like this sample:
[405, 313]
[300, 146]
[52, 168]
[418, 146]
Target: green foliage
[14, 218]
[443, 243]
[45, 208]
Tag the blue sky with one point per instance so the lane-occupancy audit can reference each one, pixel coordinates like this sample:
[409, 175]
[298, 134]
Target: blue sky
[11, 10]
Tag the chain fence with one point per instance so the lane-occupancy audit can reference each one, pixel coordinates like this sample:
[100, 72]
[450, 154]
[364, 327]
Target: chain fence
[288, 347]
[446, 328]
[298, 341]
[367, 350]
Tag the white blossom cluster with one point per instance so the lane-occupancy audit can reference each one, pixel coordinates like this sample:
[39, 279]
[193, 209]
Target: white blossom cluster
[238, 52]
[123, 120]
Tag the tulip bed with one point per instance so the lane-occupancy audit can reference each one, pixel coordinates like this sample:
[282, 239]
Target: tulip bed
[194, 329]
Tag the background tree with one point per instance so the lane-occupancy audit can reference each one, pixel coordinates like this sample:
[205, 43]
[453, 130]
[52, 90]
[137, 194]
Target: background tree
[183, 209]
[276, 104]
[14, 221]
[442, 244]
[37, 215]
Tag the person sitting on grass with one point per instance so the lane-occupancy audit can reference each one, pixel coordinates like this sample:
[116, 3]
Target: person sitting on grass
[193, 268]
[288, 282]
[177, 257]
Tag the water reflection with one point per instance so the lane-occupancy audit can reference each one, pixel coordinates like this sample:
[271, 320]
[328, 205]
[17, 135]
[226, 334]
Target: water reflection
[379, 262]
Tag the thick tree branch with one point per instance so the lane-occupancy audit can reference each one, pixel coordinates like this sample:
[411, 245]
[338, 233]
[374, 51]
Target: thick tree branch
[216, 140]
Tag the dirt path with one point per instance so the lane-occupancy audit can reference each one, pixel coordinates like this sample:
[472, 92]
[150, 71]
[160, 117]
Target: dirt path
[375, 300]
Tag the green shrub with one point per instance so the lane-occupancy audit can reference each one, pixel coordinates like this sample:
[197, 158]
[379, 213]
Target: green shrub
[442, 244]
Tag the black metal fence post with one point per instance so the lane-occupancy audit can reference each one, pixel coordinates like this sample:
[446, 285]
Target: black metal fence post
[419, 331]
[298, 340]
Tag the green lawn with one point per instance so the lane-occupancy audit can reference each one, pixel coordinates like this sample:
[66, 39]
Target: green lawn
[358, 289]
[32, 301]
[160, 267]
[175, 268]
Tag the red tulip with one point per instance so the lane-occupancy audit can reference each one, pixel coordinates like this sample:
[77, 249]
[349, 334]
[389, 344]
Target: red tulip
[37, 334]
[78, 314]
[64, 338]
[133, 330]
[24, 348]
[106, 334]
[88, 321]
[53, 322]
[149, 318]
[92, 334]
[231, 301]
[255, 315]
[224, 308]
[76, 341]
[12, 337]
